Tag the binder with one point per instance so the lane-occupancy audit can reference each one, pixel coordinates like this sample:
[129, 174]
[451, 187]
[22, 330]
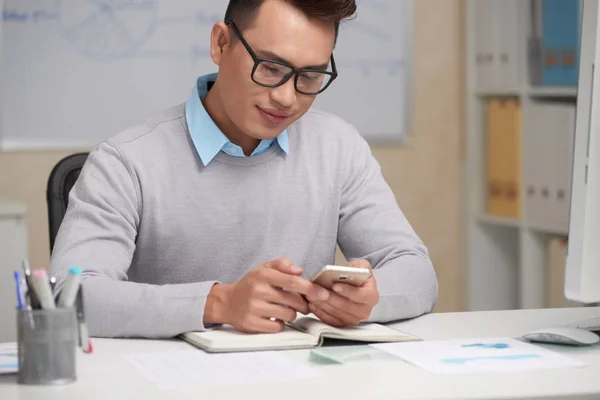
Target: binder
[495, 150]
[547, 157]
[513, 170]
[557, 257]
[497, 42]
[534, 45]
[535, 158]
[560, 42]
[507, 23]
[555, 272]
[504, 160]
[564, 129]
[485, 59]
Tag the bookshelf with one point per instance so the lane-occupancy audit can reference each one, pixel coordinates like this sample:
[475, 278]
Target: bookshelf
[507, 257]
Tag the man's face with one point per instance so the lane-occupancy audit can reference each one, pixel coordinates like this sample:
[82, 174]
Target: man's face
[279, 33]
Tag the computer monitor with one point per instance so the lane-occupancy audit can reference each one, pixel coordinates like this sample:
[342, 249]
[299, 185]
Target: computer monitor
[582, 273]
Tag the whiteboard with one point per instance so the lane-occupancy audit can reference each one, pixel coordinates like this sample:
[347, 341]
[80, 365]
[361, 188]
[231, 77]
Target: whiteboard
[75, 72]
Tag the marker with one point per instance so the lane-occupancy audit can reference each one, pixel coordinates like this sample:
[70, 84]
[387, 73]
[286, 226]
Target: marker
[71, 287]
[20, 298]
[84, 339]
[42, 289]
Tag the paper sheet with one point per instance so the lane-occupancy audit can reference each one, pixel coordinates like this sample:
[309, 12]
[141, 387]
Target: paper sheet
[193, 368]
[479, 355]
[8, 358]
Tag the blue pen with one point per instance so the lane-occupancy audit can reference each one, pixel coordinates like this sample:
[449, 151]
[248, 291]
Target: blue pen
[20, 298]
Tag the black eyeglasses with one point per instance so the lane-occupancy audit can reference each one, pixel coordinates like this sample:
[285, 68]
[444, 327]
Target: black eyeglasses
[272, 73]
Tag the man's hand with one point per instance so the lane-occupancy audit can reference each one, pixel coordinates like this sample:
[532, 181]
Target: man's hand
[263, 299]
[349, 305]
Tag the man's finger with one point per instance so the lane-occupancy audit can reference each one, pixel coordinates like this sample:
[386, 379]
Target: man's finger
[262, 325]
[278, 312]
[290, 299]
[341, 303]
[324, 316]
[295, 283]
[346, 317]
[284, 265]
[361, 294]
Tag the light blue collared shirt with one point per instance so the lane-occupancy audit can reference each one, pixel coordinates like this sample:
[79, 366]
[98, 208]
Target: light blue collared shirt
[207, 137]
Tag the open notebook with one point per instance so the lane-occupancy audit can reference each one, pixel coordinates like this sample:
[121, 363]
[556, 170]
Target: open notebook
[304, 332]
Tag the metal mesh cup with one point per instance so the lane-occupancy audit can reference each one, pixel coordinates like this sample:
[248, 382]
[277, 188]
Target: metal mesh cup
[47, 346]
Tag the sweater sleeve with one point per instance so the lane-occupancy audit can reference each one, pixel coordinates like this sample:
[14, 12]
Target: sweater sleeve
[98, 234]
[372, 227]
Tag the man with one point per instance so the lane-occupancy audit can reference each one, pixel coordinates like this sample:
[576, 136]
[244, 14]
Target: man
[220, 210]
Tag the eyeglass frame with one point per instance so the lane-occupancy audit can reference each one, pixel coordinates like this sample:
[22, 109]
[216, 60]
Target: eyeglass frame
[296, 72]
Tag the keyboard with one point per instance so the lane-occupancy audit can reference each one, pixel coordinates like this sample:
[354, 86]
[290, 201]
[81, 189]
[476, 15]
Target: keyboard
[592, 324]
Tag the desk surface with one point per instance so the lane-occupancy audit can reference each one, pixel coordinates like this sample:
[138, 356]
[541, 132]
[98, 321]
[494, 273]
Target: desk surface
[106, 375]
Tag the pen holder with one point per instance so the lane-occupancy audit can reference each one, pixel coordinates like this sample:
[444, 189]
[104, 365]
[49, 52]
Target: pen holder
[47, 342]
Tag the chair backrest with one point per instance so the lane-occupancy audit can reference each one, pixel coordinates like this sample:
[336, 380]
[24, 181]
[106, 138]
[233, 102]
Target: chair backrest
[61, 180]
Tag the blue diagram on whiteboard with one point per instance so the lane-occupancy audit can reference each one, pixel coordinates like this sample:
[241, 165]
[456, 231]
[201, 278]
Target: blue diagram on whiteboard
[114, 30]
[132, 58]
[108, 29]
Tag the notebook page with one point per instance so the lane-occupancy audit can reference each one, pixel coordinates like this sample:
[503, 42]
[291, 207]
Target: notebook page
[364, 332]
[227, 338]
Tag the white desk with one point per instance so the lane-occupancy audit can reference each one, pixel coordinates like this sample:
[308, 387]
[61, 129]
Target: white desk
[105, 375]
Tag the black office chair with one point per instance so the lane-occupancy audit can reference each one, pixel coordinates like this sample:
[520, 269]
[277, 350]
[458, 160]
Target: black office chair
[61, 180]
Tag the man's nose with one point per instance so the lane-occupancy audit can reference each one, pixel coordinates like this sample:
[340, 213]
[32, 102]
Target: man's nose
[285, 94]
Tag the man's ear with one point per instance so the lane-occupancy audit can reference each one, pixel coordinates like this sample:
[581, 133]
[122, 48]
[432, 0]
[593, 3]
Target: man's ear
[220, 40]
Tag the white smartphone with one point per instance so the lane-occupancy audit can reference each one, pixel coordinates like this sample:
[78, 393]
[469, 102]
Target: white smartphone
[331, 274]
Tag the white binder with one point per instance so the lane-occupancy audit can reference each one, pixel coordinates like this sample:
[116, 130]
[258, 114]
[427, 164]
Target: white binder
[553, 121]
[533, 164]
[564, 131]
[506, 20]
[485, 59]
[499, 44]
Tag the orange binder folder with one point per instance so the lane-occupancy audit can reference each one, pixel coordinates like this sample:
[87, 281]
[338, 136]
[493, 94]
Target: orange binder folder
[504, 157]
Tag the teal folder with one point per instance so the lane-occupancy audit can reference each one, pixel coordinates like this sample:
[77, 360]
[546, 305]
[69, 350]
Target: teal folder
[561, 24]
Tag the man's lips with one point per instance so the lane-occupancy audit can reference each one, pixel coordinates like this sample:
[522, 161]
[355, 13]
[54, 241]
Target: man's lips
[273, 116]
[274, 112]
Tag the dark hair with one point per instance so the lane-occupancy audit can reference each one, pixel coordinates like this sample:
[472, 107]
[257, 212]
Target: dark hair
[243, 12]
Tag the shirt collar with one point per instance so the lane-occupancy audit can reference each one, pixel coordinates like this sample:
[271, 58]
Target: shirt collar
[206, 136]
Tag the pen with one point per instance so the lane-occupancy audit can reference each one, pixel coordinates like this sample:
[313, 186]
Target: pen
[26, 269]
[24, 295]
[42, 289]
[33, 300]
[18, 284]
[84, 340]
[53, 286]
[71, 287]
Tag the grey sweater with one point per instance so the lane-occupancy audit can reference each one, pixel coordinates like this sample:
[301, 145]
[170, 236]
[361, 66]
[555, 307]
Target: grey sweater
[154, 229]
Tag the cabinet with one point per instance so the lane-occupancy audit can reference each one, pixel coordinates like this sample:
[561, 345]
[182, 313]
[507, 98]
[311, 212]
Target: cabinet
[13, 249]
[514, 252]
